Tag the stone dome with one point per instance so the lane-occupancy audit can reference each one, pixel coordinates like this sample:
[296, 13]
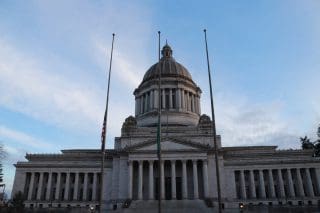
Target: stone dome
[170, 68]
[178, 97]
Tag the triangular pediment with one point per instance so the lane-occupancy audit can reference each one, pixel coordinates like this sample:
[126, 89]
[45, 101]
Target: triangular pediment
[169, 144]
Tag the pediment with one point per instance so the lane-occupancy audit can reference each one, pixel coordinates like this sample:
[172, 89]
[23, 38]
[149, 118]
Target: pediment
[167, 145]
[170, 144]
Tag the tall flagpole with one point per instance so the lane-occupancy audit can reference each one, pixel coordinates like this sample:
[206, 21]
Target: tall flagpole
[216, 152]
[104, 133]
[159, 131]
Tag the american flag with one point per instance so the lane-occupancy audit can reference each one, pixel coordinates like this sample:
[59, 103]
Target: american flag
[103, 133]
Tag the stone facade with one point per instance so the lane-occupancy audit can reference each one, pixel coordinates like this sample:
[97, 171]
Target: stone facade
[249, 175]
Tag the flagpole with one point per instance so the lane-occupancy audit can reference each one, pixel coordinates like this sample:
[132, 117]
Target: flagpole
[213, 127]
[159, 131]
[104, 133]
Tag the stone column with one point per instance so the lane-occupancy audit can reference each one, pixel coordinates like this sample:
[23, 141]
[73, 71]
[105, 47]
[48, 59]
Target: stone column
[141, 104]
[271, 184]
[130, 179]
[290, 183]
[188, 102]
[195, 179]
[40, 186]
[309, 183]
[317, 174]
[31, 186]
[205, 178]
[242, 185]
[163, 99]
[199, 106]
[300, 183]
[182, 99]
[58, 186]
[280, 183]
[67, 186]
[146, 102]
[94, 187]
[192, 103]
[262, 189]
[85, 186]
[195, 104]
[173, 180]
[151, 185]
[155, 99]
[252, 185]
[136, 109]
[76, 183]
[49, 186]
[184, 180]
[170, 99]
[178, 95]
[140, 195]
[151, 99]
[162, 180]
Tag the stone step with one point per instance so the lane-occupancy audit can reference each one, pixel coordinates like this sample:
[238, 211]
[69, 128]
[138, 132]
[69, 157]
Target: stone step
[168, 206]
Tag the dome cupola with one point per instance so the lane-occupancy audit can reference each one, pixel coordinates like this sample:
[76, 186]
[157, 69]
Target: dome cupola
[166, 51]
[180, 96]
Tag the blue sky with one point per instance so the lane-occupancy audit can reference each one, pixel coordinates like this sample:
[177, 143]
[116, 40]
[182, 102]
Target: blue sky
[54, 57]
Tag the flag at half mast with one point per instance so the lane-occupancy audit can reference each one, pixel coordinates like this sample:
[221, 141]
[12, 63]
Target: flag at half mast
[103, 133]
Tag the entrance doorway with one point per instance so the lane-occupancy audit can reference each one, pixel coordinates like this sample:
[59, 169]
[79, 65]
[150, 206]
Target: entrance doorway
[167, 186]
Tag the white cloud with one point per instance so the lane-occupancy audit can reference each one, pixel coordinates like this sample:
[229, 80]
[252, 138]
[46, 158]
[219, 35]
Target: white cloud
[241, 122]
[29, 84]
[22, 138]
[122, 67]
[27, 87]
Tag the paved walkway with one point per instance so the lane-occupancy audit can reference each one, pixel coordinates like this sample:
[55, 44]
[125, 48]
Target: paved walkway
[198, 206]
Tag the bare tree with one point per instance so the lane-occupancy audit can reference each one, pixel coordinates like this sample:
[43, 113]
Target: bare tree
[2, 157]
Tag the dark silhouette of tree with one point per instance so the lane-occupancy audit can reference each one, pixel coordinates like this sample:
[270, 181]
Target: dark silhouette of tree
[2, 156]
[307, 144]
[317, 144]
[18, 200]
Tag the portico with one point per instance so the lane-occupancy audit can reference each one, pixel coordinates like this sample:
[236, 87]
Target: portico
[179, 179]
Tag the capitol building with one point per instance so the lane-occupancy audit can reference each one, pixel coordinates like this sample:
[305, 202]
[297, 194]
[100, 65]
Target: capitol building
[249, 175]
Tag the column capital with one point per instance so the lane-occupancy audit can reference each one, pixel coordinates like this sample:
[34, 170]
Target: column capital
[150, 161]
[194, 161]
[173, 162]
[184, 161]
